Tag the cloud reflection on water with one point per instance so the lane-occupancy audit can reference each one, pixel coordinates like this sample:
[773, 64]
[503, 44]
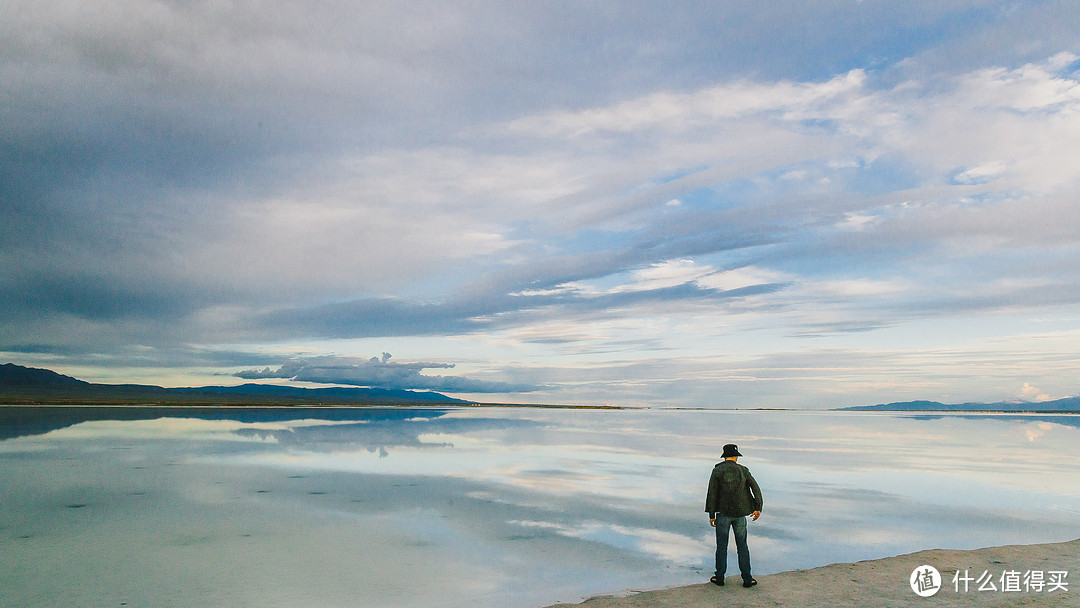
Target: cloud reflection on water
[667, 546]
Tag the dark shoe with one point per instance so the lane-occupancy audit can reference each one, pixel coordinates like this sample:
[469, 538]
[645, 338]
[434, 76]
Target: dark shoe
[717, 581]
[749, 583]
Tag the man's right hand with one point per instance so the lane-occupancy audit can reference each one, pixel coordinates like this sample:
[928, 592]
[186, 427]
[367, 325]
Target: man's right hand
[755, 515]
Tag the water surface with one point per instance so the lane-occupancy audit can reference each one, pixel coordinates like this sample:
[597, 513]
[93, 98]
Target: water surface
[490, 506]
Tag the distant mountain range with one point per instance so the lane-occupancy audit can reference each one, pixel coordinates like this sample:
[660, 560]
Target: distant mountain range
[35, 386]
[1068, 404]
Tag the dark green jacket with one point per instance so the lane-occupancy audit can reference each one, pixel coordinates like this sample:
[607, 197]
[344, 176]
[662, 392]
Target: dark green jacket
[732, 491]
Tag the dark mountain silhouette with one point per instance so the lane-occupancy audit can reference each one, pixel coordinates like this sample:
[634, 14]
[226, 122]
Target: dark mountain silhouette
[35, 386]
[12, 375]
[1068, 404]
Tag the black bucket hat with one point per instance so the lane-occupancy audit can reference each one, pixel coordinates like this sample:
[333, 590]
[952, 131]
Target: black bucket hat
[731, 450]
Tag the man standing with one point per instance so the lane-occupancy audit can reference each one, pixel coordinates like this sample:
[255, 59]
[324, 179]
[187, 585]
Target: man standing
[733, 494]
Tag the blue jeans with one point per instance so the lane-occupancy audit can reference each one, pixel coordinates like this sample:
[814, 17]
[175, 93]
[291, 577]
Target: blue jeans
[738, 525]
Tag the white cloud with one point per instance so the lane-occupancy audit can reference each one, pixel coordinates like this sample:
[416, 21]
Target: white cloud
[1034, 86]
[982, 173]
[1018, 126]
[1032, 393]
[674, 273]
[857, 221]
[854, 288]
[664, 274]
[675, 112]
[739, 278]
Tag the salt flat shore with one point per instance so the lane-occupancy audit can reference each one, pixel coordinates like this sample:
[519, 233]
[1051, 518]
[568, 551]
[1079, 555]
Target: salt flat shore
[886, 582]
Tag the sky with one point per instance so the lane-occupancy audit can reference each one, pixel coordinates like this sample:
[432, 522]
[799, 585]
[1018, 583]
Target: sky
[715, 204]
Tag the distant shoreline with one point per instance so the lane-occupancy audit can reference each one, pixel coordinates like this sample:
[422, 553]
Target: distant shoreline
[1067, 404]
[282, 403]
[29, 386]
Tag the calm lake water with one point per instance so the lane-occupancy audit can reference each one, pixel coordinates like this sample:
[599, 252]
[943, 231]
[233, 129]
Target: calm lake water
[498, 507]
